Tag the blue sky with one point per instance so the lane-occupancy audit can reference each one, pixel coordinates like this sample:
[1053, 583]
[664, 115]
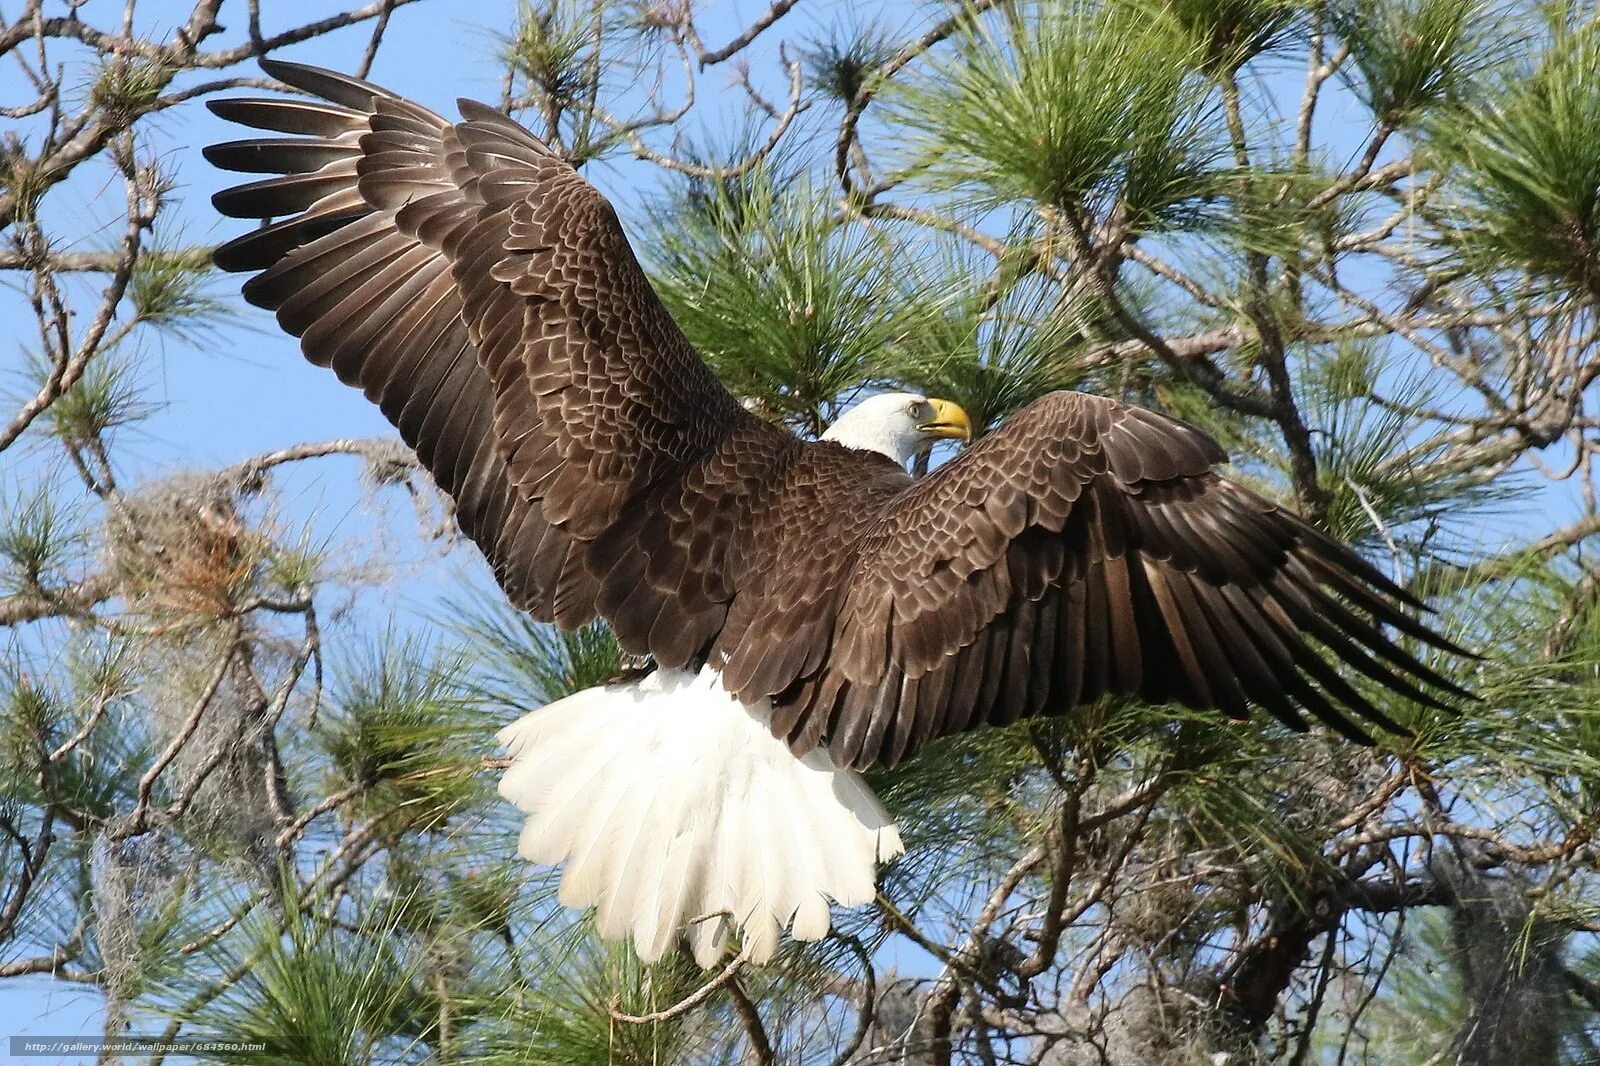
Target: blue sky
[245, 390]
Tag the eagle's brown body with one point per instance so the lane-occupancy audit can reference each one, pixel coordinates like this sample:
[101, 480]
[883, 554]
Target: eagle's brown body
[484, 295]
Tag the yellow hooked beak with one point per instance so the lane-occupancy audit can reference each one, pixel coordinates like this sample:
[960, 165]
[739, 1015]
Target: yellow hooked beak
[948, 420]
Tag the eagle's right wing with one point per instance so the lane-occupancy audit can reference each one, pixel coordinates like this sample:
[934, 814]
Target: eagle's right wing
[1087, 548]
[476, 287]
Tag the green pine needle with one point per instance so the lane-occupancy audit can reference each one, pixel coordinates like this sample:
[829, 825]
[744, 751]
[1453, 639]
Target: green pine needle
[794, 309]
[403, 727]
[1083, 106]
[1528, 165]
[1409, 54]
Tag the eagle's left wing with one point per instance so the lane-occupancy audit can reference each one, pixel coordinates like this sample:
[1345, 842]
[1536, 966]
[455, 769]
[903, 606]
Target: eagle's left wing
[469, 281]
[1085, 548]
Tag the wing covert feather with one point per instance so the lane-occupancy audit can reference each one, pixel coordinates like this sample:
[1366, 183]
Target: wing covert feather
[1085, 548]
[483, 294]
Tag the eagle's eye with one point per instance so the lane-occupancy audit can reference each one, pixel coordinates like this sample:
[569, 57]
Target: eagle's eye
[919, 410]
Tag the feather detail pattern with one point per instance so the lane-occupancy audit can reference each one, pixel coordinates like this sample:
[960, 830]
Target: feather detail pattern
[483, 294]
[674, 808]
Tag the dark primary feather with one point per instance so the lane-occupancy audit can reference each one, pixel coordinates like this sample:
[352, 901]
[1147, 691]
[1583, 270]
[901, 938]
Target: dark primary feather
[483, 294]
[1098, 534]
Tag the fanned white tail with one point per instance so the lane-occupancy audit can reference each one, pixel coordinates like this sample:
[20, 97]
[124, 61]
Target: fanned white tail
[673, 806]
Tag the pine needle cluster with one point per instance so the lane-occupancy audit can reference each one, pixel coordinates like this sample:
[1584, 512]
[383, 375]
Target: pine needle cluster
[247, 784]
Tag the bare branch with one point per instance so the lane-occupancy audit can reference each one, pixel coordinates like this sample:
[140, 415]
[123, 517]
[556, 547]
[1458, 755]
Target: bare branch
[778, 9]
[683, 1006]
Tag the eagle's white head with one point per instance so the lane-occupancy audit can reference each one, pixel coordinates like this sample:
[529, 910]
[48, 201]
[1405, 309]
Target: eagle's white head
[899, 424]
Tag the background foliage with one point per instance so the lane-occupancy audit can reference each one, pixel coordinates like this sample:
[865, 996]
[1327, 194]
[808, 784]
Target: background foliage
[1357, 240]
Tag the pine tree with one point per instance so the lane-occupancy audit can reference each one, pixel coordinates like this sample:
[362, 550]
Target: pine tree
[1358, 241]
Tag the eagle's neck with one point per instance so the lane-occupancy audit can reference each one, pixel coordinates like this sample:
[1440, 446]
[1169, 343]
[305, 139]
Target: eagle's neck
[898, 442]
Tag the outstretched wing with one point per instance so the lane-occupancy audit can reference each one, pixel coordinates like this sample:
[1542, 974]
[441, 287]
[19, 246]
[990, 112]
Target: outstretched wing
[1087, 548]
[483, 294]
[470, 282]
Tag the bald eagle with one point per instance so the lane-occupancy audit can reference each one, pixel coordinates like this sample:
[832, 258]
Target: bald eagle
[812, 609]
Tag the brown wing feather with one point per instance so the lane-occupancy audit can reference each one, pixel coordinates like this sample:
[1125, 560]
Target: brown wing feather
[483, 294]
[1087, 548]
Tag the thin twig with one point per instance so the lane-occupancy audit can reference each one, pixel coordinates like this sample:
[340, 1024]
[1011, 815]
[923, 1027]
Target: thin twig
[683, 1006]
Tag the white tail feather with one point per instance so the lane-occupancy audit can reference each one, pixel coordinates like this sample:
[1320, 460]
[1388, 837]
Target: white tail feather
[670, 801]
